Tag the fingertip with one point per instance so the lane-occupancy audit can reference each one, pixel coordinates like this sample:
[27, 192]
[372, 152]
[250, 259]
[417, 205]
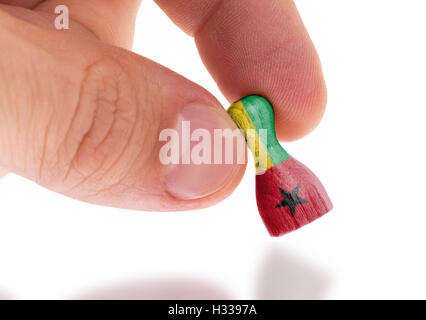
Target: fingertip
[226, 190]
[299, 113]
[266, 51]
[296, 90]
[175, 203]
[208, 154]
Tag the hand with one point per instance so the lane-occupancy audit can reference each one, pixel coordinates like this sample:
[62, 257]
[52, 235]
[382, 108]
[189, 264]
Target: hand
[81, 115]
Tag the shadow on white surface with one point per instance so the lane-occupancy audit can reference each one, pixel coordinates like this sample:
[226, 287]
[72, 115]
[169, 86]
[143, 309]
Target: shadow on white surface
[172, 289]
[284, 276]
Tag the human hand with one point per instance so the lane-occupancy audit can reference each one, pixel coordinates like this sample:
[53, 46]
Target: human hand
[81, 115]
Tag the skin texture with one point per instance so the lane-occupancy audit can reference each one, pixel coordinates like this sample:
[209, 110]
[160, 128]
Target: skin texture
[258, 47]
[87, 124]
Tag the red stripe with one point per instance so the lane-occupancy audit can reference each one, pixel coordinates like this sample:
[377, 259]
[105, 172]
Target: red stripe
[288, 175]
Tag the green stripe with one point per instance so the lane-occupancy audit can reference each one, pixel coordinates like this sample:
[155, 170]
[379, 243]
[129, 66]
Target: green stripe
[262, 116]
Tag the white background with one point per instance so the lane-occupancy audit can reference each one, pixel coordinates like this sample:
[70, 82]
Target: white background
[369, 151]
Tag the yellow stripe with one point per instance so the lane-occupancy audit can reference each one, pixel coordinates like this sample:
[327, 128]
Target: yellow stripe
[239, 114]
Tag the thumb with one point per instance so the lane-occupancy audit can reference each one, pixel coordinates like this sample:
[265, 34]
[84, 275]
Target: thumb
[84, 119]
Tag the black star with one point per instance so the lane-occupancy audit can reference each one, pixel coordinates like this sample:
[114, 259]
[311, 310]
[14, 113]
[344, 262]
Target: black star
[291, 199]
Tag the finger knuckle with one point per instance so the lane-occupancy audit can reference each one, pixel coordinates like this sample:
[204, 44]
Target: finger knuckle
[102, 126]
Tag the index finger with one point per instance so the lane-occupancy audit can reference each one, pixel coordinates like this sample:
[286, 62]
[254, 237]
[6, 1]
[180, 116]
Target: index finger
[258, 47]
